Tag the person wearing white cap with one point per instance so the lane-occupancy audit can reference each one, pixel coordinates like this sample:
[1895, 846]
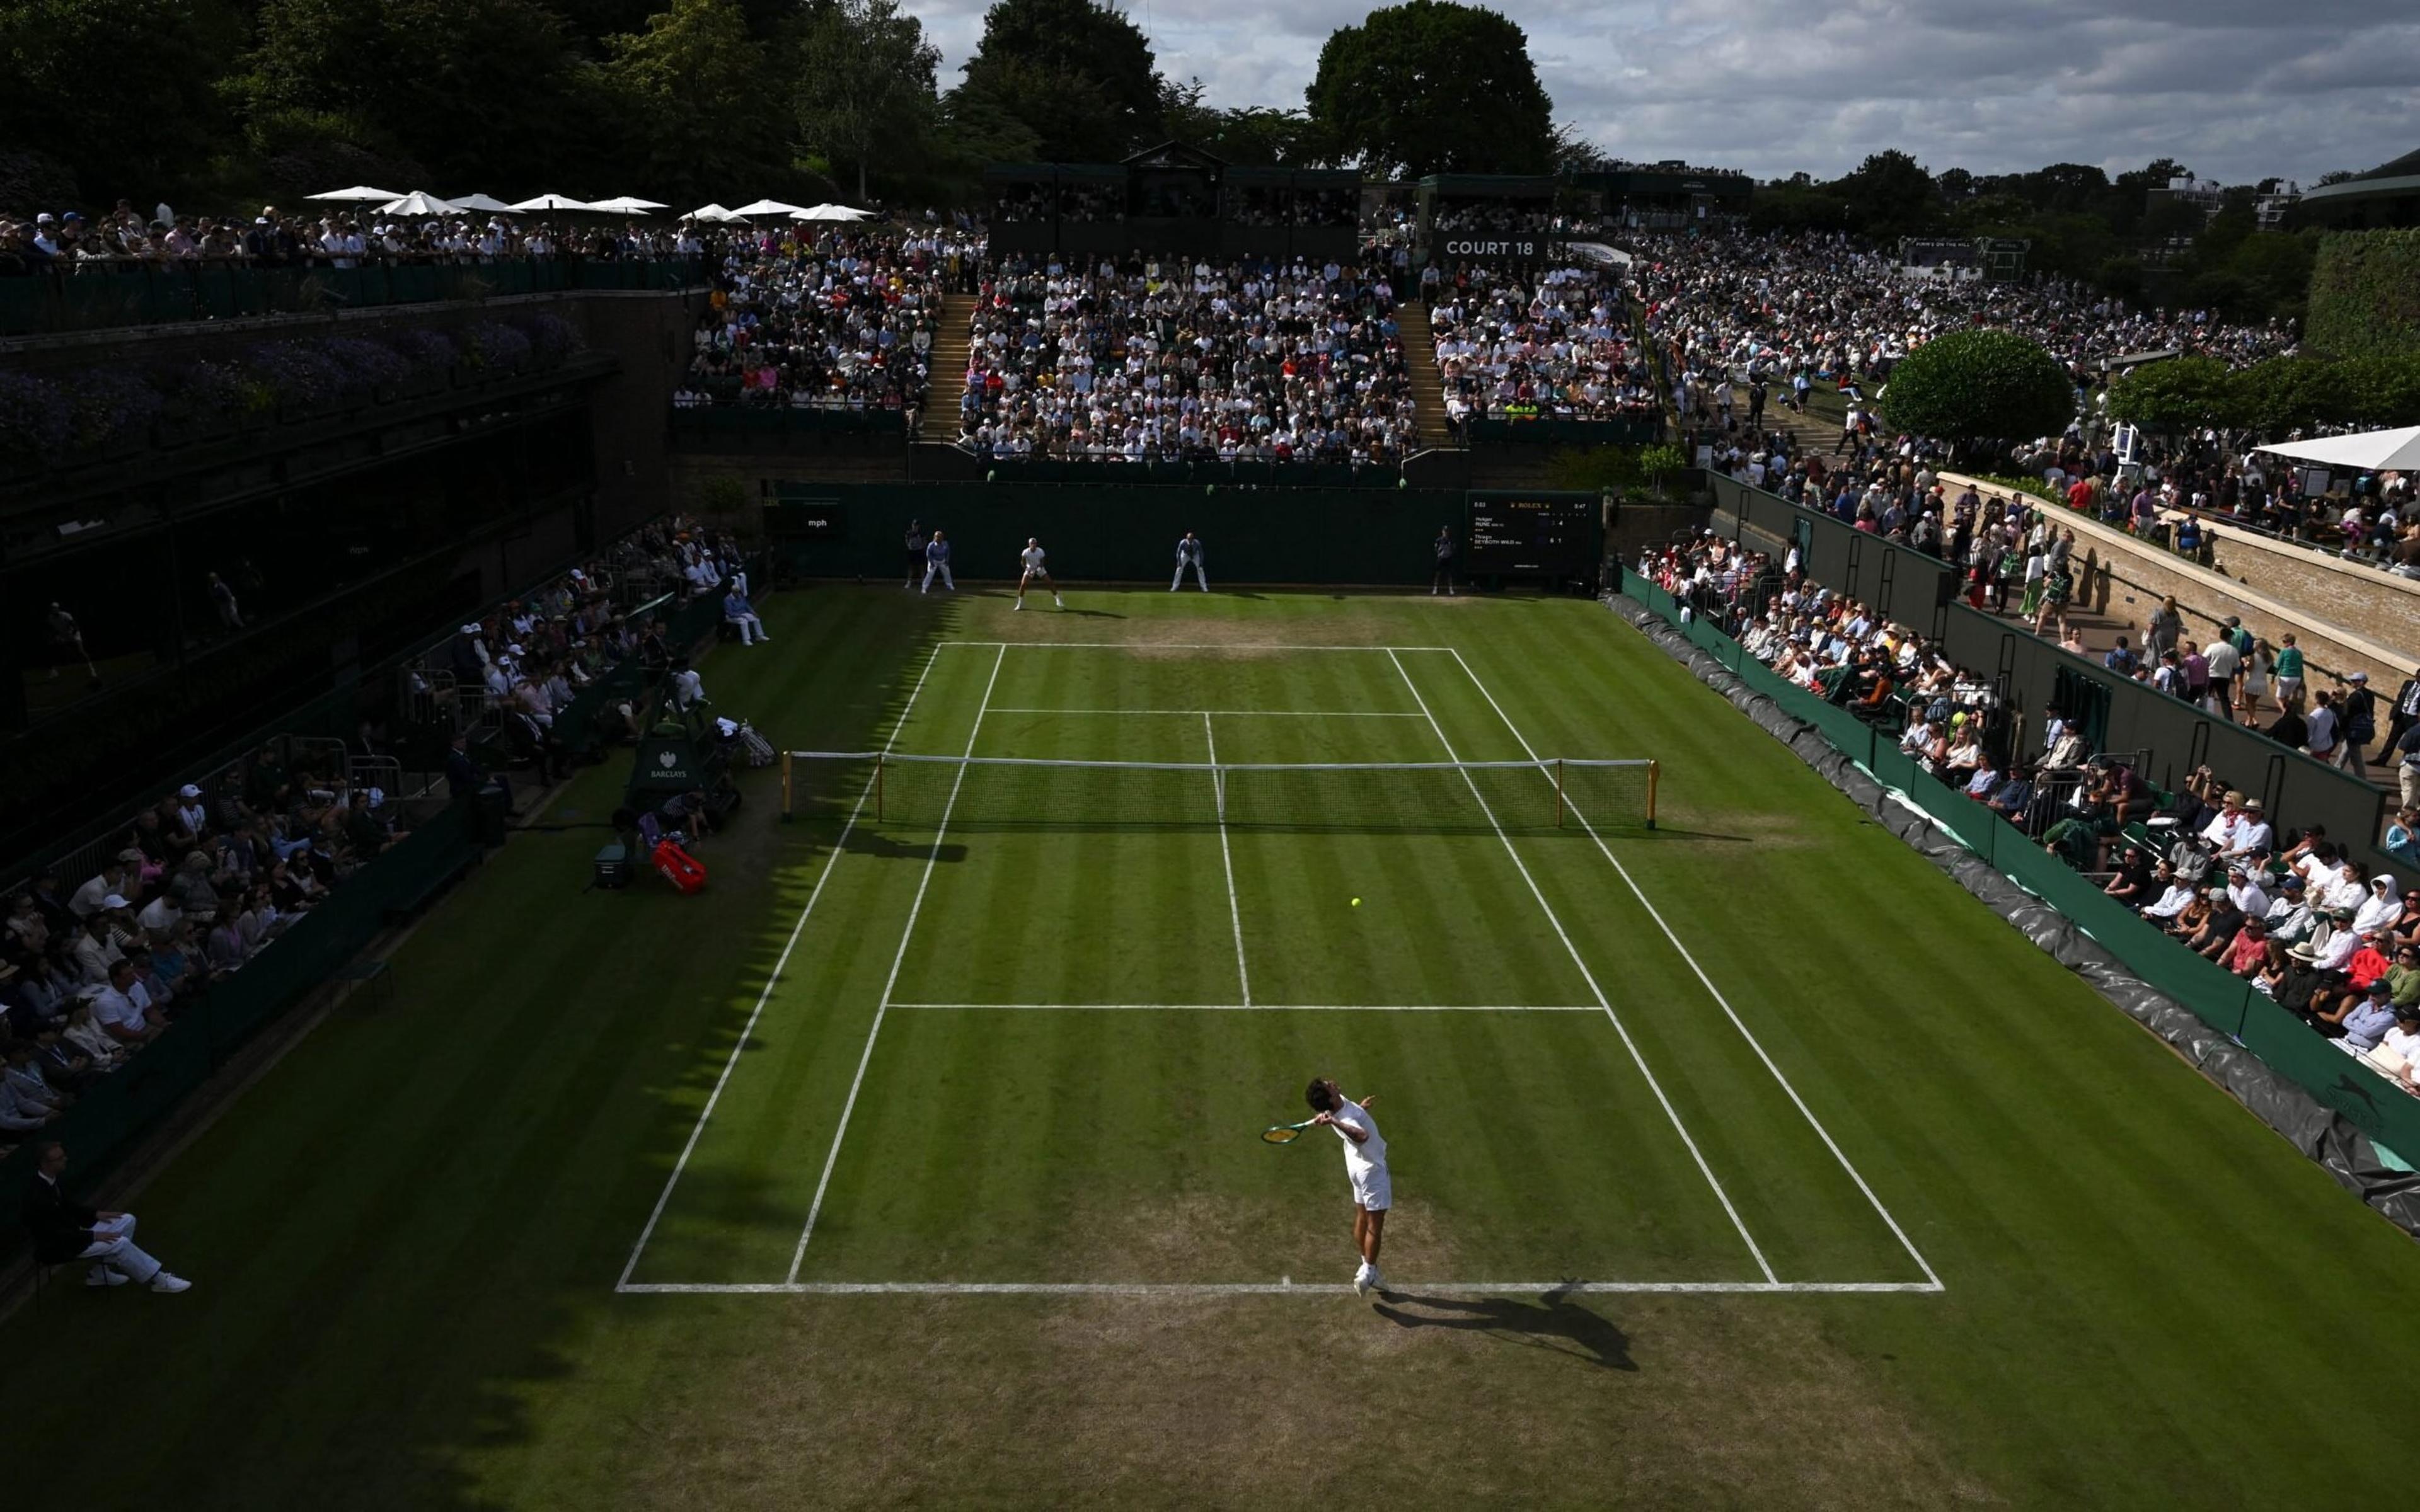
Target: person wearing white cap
[191, 811]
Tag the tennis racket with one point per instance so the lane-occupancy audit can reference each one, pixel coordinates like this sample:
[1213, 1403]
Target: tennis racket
[1285, 1133]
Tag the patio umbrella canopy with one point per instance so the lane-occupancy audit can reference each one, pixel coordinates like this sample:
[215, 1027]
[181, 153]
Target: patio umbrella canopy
[2375, 450]
[362, 193]
[480, 202]
[628, 204]
[711, 212]
[770, 206]
[830, 212]
[419, 202]
[552, 201]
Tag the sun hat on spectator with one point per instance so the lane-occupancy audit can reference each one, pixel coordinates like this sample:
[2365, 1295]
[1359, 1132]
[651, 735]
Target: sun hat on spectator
[2303, 952]
[114, 900]
[2251, 805]
[46, 218]
[2356, 677]
[189, 791]
[129, 854]
[470, 629]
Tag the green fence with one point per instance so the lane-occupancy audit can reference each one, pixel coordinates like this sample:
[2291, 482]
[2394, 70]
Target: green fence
[1253, 474]
[1553, 431]
[119, 1108]
[97, 297]
[2215, 996]
[1097, 534]
[708, 424]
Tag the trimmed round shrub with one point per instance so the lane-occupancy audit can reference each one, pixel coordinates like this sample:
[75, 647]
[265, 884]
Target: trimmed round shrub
[1970, 385]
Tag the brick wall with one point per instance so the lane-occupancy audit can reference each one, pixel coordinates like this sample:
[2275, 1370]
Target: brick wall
[2343, 616]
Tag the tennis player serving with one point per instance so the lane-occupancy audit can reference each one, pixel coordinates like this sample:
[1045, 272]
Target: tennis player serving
[1032, 556]
[1365, 1166]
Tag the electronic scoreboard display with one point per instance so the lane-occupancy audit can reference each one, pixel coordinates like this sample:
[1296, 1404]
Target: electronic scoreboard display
[1546, 534]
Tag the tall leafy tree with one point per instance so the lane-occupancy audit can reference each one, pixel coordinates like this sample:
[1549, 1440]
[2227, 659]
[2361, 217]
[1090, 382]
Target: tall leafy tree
[1433, 87]
[1080, 76]
[1891, 195]
[122, 91]
[865, 75]
[698, 91]
[483, 90]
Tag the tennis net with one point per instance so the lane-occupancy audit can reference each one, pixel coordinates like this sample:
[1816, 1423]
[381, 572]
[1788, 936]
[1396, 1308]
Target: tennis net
[1004, 791]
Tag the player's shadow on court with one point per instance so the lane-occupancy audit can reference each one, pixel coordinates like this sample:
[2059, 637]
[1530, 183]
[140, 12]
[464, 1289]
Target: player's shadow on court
[1554, 1322]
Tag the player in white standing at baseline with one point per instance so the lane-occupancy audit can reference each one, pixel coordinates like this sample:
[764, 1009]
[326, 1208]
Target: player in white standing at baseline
[1365, 1167]
[1188, 554]
[1032, 556]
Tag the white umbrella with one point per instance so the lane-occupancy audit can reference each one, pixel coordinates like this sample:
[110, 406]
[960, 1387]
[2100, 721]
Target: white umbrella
[552, 201]
[419, 202]
[830, 213]
[359, 192]
[770, 206]
[711, 212]
[629, 205]
[480, 202]
[2375, 450]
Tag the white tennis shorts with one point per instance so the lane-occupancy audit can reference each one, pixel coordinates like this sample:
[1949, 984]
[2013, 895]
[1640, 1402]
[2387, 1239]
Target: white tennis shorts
[1372, 1191]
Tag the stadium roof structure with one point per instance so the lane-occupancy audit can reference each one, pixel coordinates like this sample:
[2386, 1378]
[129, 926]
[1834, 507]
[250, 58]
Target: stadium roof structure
[2388, 194]
[2374, 451]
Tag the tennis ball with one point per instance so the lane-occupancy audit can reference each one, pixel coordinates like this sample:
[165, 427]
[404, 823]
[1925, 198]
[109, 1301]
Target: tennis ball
[1357, 902]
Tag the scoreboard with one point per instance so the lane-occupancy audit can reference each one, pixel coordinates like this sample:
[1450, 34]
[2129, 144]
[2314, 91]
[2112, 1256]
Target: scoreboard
[1546, 534]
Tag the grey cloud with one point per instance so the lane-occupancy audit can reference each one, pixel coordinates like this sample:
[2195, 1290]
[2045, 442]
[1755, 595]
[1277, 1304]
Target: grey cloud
[2239, 89]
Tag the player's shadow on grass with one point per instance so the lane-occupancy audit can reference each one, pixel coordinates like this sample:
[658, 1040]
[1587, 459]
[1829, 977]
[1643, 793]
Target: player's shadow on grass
[865, 842]
[1093, 614]
[1554, 1322]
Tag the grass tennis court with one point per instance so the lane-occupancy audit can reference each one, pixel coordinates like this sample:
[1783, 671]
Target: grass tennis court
[1739, 1161]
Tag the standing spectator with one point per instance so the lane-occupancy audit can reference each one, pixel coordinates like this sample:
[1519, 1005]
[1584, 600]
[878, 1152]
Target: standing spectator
[2321, 730]
[63, 1230]
[223, 600]
[916, 539]
[2357, 712]
[2405, 714]
[2288, 670]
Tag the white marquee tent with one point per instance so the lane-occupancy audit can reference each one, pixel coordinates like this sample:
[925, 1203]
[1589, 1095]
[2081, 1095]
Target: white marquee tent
[2375, 450]
[629, 205]
[419, 202]
[711, 212]
[552, 202]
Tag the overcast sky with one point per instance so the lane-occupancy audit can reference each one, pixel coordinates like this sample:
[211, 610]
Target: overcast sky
[2237, 90]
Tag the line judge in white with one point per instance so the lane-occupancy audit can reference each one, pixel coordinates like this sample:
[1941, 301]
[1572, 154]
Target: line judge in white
[1365, 1167]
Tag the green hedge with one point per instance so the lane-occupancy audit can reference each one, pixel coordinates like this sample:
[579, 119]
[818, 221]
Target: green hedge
[2365, 294]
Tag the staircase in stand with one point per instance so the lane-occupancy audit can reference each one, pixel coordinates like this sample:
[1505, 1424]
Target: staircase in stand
[1428, 386]
[948, 368]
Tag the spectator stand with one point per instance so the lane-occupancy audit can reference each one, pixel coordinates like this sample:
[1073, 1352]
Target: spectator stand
[2225, 1005]
[1916, 588]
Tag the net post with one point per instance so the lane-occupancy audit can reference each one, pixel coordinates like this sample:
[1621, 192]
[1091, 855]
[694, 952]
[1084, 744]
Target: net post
[877, 788]
[788, 793]
[1652, 770]
[1559, 792]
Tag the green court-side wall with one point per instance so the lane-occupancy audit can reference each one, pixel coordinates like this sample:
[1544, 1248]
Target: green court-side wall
[1352, 537]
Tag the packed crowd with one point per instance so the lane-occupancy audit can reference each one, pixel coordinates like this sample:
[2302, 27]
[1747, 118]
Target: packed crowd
[2017, 559]
[125, 238]
[1558, 347]
[2169, 492]
[845, 320]
[2291, 912]
[94, 969]
[1822, 306]
[1146, 361]
[507, 675]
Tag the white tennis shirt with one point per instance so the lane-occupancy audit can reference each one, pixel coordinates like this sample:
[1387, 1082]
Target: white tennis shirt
[1032, 557]
[1371, 1152]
